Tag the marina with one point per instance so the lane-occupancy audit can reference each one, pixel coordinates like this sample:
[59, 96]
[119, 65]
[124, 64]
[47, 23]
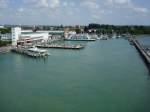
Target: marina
[74, 56]
[105, 74]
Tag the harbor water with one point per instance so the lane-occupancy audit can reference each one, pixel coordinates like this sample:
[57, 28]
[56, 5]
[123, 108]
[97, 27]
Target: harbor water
[144, 40]
[105, 76]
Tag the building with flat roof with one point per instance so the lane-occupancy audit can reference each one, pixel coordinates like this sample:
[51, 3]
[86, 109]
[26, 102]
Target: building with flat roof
[19, 36]
[5, 37]
[28, 36]
[16, 34]
[33, 37]
[1, 26]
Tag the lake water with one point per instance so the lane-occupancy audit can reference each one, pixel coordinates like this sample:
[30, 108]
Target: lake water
[144, 40]
[106, 76]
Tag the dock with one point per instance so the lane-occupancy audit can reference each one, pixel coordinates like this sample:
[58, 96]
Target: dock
[142, 51]
[73, 47]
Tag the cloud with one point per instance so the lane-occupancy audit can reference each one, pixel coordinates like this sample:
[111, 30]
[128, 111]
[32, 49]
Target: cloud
[42, 3]
[21, 9]
[93, 9]
[4, 3]
[141, 10]
[72, 11]
[65, 3]
[90, 4]
[119, 2]
[127, 4]
[54, 3]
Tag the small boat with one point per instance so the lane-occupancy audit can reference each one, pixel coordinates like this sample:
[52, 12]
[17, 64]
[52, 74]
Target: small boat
[104, 37]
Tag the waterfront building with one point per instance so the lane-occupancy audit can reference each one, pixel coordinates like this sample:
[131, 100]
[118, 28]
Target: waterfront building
[32, 38]
[54, 34]
[16, 34]
[27, 36]
[19, 36]
[5, 37]
[1, 26]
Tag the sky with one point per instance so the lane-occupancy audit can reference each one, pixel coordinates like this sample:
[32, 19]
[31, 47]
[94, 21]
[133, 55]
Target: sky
[75, 12]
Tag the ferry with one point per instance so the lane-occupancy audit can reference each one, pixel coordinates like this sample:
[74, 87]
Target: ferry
[32, 51]
[35, 52]
[80, 37]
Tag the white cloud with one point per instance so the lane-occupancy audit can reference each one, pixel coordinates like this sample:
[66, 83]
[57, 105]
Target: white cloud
[139, 9]
[95, 11]
[71, 11]
[96, 17]
[91, 4]
[121, 2]
[54, 3]
[127, 4]
[65, 4]
[4, 3]
[21, 9]
[43, 3]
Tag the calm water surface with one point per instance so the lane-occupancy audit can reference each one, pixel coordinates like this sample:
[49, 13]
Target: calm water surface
[144, 40]
[106, 76]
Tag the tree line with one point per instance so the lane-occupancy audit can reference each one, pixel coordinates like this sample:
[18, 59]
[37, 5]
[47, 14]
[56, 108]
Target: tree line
[5, 30]
[109, 29]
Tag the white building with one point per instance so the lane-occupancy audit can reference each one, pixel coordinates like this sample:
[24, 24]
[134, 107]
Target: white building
[6, 36]
[19, 35]
[28, 36]
[43, 35]
[33, 37]
[16, 34]
[1, 26]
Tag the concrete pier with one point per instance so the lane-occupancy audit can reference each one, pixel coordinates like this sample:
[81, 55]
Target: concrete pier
[75, 47]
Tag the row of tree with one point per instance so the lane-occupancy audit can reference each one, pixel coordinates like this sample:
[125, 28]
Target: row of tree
[96, 28]
[5, 30]
[117, 29]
